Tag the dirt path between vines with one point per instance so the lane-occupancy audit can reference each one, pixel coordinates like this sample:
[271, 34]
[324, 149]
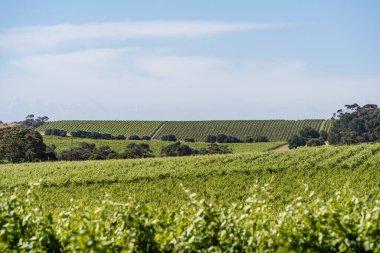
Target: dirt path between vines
[282, 148]
[155, 133]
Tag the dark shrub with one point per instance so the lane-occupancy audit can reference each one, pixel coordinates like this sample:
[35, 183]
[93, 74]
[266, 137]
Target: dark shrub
[96, 135]
[146, 138]
[188, 139]
[141, 150]
[296, 141]
[134, 138]
[210, 138]
[120, 137]
[103, 153]
[56, 132]
[80, 153]
[309, 133]
[248, 139]
[323, 135]
[50, 154]
[169, 137]
[261, 139]
[178, 149]
[315, 142]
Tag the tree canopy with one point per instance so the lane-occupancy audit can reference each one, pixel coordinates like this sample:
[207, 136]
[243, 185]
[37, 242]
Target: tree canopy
[21, 145]
[355, 124]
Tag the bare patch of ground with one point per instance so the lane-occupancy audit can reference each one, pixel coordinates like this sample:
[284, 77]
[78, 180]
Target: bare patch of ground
[5, 125]
[282, 148]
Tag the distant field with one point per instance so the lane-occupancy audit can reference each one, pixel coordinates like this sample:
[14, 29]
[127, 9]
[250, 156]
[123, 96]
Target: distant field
[114, 127]
[64, 143]
[218, 178]
[275, 130]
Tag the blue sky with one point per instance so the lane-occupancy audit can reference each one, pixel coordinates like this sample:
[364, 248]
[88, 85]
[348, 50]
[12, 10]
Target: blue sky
[187, 60]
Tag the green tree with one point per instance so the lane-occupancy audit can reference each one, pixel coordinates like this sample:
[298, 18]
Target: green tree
[31, 122]
[177, 149]
[296, 141]
[169, 137]
[309, 133]
[21, 145]
[141, 150]
[355, 124]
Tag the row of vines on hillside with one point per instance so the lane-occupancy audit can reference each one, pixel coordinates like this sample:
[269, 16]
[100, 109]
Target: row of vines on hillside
[114, 127]
[275, 130]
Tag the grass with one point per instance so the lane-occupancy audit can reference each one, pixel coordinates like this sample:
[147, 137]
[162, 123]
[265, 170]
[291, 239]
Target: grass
[64, 143]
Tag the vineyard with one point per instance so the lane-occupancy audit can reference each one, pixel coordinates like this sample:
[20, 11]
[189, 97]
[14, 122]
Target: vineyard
[64, 143]
[114, 127]
[275, 130]
[218, 178]
[322, 199]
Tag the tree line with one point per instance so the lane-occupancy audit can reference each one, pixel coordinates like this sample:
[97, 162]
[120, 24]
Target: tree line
[352, 125]
[18, 144]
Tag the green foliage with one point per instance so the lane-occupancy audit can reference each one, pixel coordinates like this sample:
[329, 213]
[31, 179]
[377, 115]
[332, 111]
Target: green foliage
[189, 139]
[146, 138]
[220, 178]
[261, 139]
[169, 137]
[25, 227]
[343, 223]
[21, 145]
[248, 139]
[134, 138]
[119, 145]
[296, 141]
[210, 138]
[356, 124]
[56, 132]
[137, 150]
[113, 127]
[315, 142]
[309, 133]
[323, 135]
[88, 151]
[96, 135]
[103, 153]
[214, 148]
[32, 123]
[178, 149]
[274, 130]
[307, 136]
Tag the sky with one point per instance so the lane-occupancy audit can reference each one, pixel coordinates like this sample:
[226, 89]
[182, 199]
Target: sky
[187, 60]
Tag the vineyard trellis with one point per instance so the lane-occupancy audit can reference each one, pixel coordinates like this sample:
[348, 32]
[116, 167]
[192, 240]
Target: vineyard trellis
[275, 130]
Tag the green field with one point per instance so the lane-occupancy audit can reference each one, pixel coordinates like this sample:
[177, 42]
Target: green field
[219, 178]
[64, 143]
[114, 127]
[322, 199]
[275, 130]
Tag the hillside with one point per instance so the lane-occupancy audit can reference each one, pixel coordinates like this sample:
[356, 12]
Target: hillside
[218, 178]
[276, 130]
[64, 143]
[114, 127]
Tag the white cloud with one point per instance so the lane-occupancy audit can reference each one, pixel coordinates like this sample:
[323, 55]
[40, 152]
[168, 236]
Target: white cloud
[111, 84]
[42, 37]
